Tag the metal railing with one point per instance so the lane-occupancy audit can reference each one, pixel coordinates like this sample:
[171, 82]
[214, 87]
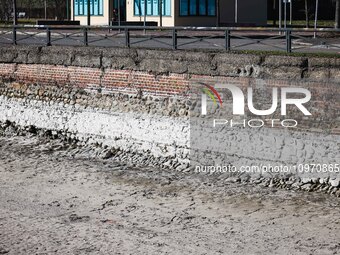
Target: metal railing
[226, 38]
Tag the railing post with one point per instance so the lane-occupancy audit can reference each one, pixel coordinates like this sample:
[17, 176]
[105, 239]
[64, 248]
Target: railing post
[14, 38]
[227, 40]
[86, 39]
[174, 39]
[127, 37]
[288, 41]
[48, 37]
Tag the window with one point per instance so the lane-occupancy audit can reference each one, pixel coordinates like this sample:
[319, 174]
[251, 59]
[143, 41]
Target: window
[96, 7]
[197, 8]
[152, 7]
[183, 6]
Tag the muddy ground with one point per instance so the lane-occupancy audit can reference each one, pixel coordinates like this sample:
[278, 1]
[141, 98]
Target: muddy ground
[54, 202]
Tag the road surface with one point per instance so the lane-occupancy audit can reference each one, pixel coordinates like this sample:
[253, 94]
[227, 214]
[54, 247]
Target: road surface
[164, 40]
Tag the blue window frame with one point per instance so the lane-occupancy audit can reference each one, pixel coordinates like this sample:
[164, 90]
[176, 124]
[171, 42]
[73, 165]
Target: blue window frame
[152, 7]
[184, 7]
[197, 7]
[202, 7]
[96, 7]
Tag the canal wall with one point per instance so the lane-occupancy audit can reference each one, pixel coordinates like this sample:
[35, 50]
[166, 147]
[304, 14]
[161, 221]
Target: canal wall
[138, 102]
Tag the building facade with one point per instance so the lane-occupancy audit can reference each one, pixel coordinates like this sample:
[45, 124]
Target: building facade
[173, 12]
[100, 11]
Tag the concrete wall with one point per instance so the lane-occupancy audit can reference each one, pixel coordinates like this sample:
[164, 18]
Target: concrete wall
[137, 100]
[227, 13]
[252, 12]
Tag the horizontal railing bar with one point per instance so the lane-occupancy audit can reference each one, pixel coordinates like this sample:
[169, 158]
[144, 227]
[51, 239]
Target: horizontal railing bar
[180, 28]
[199, 35]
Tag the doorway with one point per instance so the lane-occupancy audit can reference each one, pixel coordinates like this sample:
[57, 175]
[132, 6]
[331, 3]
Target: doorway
[118, 12]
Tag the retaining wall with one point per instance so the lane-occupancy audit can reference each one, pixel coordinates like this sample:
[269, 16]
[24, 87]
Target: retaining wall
[137, 100]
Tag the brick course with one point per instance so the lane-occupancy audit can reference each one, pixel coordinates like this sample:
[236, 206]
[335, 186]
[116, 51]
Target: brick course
[85, 77]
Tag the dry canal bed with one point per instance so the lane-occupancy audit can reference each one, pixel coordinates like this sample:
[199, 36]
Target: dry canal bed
[52, 201]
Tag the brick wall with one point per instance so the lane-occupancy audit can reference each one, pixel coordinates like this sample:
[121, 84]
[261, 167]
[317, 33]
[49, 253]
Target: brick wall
[85, 77]
[325, 93]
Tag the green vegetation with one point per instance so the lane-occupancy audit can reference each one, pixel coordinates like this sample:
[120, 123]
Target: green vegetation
[295, 54]
[322, 23]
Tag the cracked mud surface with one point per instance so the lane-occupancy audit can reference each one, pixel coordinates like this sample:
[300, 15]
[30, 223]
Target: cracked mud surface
[53, 202]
